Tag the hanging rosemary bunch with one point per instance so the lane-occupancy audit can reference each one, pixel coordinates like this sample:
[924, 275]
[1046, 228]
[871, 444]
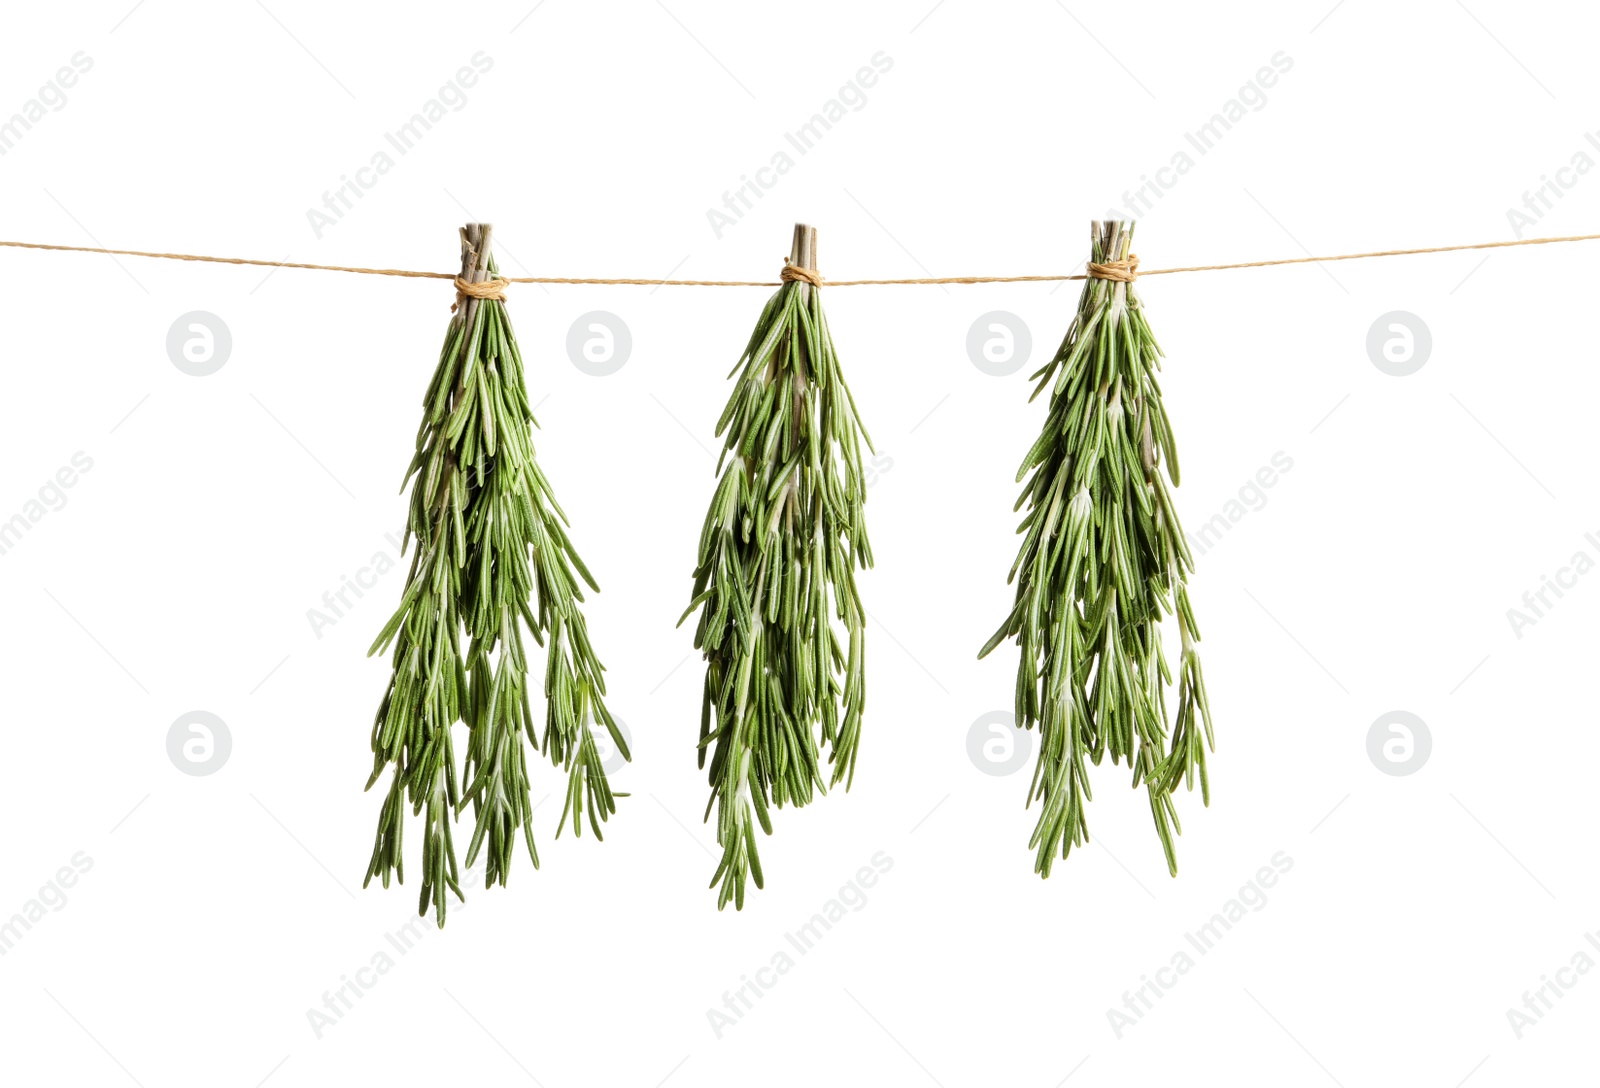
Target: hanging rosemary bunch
[1102, 561]
[492, 555]
[784, 684]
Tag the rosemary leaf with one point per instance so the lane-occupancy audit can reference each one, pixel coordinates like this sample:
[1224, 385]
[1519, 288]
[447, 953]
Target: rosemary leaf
[1103, 559]
[492, 558]
[774, 582]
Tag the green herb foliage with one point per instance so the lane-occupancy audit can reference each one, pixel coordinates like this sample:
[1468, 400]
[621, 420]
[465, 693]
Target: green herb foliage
[1103, 559]
[784, 684]
[492, 556]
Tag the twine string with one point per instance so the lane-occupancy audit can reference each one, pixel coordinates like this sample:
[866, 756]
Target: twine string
[792, 272]
[1123, 271]
[1112, 270]
[494, 289]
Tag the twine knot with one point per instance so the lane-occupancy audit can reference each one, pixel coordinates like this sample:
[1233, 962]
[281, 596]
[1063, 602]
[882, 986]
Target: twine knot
[1123, 271]
[492, 289]
[792, 272]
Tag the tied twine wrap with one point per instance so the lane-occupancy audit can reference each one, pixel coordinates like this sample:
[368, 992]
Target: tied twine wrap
[494, 290]
[793, 272]
[1124, 271]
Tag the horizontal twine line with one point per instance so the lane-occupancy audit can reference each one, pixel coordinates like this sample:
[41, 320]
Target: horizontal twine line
[411, 274]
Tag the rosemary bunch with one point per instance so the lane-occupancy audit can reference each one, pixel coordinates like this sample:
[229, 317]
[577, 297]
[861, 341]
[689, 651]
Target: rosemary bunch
[1102, 560]
[775, 568]
[492, 556]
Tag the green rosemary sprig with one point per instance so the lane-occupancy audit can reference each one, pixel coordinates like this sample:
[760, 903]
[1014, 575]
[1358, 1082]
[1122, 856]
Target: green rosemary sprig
[492, 555]
[775, 566]
[1102, 560]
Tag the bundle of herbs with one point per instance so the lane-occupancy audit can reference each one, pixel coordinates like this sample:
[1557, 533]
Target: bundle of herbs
[492, 557]
[781, 623]
[1103, 559]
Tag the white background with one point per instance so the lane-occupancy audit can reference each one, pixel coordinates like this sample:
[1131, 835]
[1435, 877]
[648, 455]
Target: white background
[1377, 577]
